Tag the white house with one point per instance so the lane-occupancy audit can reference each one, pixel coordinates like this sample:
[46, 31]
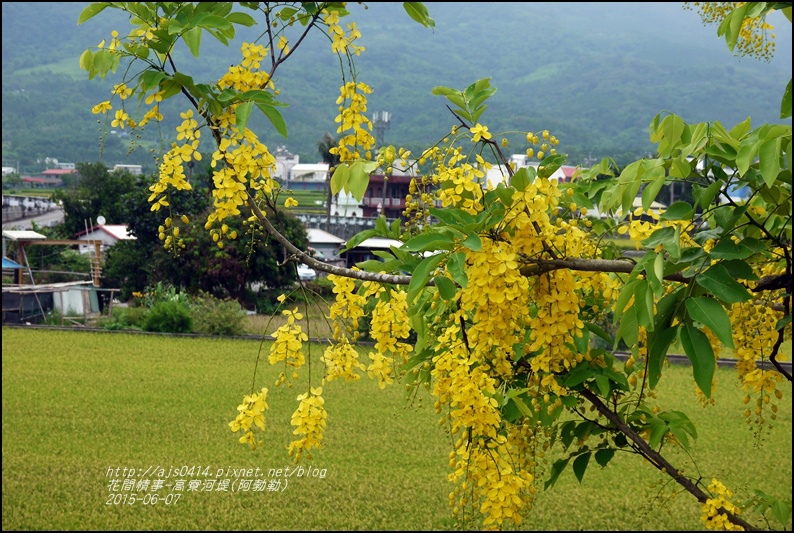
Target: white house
[109, 234]
[308, 176]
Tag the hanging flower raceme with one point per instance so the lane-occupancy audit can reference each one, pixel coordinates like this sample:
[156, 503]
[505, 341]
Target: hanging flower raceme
[250, 413]
[358, 141]
[389, 324]
[309, 421]
[341, 361]
[288, 345]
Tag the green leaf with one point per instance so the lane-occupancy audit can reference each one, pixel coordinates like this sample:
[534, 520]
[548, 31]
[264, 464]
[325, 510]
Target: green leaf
[657, 350]
[769, 159]
[599, 331]
[418, 12]
[660, 236]
[430, 241]
[473, 242]
[193, 40]
[719, 282]
[651, 190]
[521, 179]
[92, 10]
[446, 287]
[556, 469]
[340, 178]
[275, 118]
[782, 509]
[739, 269]
[623, 298]
[785, 103]
[243, 19]
[243, 112]
[705, 196]
[604, 455]
[628, 327]
[580, 373]
[358, 239]
[711, 314]
[658, 431]
[580, 465]
[422, 271]
[522, 406]
[728, 249]
[643, 303]
[456, 266]
[678, 211]
[214, 21]
[698, 350]
[359, 180]
[603, 385]
[451, 216]
[86, 60]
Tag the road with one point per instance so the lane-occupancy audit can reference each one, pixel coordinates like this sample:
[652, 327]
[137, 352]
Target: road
[47, 219]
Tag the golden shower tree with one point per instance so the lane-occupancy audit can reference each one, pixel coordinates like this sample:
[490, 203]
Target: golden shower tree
[516, 301]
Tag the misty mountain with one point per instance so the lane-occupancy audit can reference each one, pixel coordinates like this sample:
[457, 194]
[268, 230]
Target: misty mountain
[594, 74]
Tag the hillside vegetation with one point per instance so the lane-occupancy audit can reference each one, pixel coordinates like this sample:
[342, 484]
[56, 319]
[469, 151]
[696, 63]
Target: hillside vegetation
[593, 73]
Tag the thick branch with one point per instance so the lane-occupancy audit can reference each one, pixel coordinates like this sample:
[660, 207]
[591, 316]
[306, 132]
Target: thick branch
[305, 258]
[540, 266]
[656, 458]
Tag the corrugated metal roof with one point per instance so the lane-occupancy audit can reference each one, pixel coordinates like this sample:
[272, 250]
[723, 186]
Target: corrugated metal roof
[23, 235]
[7, 263]
[318, 236]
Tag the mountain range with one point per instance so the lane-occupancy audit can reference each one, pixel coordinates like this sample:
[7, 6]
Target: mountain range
[594, 74]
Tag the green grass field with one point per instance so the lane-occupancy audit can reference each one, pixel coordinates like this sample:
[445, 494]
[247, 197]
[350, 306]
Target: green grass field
[76, 404]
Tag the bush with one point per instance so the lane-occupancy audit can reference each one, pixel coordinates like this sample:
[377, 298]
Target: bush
[215, 316]
[125, 318]
[169, 317]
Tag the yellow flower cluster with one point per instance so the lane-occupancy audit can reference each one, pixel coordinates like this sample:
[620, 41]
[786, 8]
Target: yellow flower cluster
[251, 412]
[389, 323]
[347, 306]
[246, 162]
[309, 420]
[640, 229]
[115, 42]
[713, 511]
[556, 323]
[341, 361]
[247, 76]
[529, 218]
[288, 343]
[464, 386]
[341, 41]
[352, 119]
[496, 300]
[461, 186]
[755, 39]
[172, 172]
[546, 146]
[488, 479]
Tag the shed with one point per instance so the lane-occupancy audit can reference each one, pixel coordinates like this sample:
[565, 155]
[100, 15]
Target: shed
[364, 250]
[326, 243]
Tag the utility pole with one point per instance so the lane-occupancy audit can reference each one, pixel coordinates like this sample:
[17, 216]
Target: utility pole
[381, 124]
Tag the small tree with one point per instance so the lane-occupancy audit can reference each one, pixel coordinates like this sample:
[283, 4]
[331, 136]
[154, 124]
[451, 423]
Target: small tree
[505, 290]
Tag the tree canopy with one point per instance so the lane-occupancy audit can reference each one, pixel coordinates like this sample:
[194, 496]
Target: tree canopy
[510, 280]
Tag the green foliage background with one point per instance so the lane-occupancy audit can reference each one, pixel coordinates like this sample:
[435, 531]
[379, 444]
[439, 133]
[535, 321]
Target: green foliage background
[592, 73]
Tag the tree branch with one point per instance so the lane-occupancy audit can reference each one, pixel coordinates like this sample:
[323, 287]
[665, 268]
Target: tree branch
[656, 458]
